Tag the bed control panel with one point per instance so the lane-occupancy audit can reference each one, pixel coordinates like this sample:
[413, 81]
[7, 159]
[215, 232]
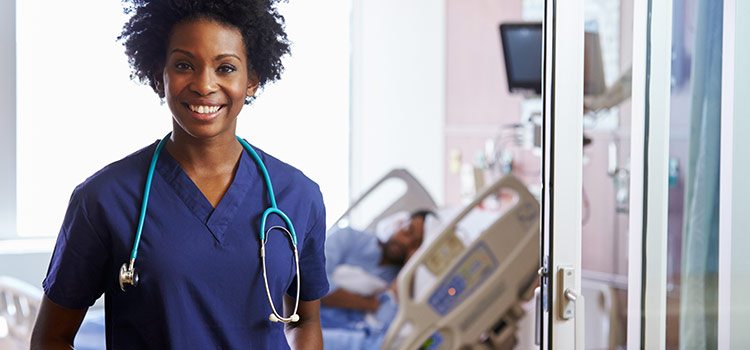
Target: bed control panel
[448, 247]
[434, 342]
[468, 275]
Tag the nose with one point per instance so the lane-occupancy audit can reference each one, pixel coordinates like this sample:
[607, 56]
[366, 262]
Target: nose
[204, 82]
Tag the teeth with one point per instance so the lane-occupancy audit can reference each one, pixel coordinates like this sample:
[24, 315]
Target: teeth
[204, 109]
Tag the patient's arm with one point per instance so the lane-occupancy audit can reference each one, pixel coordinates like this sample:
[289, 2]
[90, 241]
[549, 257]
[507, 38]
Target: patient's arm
[56, 326]
[347, 300]
[305, 334]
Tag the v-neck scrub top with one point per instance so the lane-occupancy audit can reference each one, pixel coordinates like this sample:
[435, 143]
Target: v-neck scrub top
[201, 283]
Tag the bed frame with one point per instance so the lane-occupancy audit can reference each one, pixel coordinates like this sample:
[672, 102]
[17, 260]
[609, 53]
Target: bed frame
[476, 300]
[19, 305]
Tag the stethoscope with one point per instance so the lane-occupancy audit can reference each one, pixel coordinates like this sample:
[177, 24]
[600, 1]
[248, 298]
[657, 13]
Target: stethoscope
[129, 277]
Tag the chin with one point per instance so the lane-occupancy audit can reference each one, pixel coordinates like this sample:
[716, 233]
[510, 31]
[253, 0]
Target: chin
[205, 132]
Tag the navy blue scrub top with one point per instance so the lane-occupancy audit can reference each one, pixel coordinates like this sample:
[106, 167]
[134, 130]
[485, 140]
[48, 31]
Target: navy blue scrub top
[201, 283]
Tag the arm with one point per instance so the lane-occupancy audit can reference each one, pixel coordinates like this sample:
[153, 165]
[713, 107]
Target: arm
[306, 333]
[348, 300]
[56, 326]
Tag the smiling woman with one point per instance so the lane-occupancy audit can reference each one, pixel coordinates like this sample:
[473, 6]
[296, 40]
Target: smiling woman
[77, 112]
[205, 226]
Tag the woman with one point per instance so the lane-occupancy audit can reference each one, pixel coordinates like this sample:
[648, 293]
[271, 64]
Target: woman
[199, 280]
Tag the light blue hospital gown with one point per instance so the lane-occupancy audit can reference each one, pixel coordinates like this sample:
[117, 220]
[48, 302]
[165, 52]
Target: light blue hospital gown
[348, 246]
[366, 338]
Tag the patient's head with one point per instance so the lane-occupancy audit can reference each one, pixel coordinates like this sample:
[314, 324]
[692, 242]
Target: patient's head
[406, 240]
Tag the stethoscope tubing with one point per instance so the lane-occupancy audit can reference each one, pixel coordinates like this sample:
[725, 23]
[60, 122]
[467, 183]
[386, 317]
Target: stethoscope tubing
[144, 202]
[271, 196]
[129, 276]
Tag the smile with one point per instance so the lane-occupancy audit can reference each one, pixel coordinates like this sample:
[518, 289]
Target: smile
[204, 109]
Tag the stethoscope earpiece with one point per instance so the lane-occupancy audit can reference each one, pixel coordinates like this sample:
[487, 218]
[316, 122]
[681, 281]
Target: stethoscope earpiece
[274, 318]
[128, 277]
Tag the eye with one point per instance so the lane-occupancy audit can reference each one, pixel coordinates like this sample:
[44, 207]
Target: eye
[227, 68]
[182, 66]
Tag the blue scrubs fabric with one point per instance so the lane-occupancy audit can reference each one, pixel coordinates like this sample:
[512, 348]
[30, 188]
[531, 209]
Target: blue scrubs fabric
[201, 283]
[351, 247]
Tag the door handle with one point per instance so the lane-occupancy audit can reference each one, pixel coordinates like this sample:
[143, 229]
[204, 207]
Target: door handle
[572, 304]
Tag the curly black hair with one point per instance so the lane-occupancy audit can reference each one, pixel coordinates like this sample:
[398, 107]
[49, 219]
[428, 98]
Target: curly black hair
[146, 35]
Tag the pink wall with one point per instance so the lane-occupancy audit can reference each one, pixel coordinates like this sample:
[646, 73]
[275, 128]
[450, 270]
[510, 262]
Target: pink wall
[477, 99]
[478, 104]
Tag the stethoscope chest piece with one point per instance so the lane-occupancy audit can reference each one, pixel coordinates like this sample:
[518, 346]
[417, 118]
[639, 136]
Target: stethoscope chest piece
[128, 277]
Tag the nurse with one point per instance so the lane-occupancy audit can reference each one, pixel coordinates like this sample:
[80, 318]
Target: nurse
[201, 282]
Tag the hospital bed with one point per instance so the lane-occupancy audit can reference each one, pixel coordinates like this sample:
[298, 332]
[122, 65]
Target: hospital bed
[465, 286]
[19, 305]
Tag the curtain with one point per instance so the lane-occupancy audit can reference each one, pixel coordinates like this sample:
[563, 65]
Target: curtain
[699, 279]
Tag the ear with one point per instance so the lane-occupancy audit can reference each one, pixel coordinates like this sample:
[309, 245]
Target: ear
[158, 80]
[253, 83]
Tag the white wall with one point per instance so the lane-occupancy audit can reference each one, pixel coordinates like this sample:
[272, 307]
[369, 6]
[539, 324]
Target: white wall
[8, 118]
[26, 262]
[397, 91]
[303, 118]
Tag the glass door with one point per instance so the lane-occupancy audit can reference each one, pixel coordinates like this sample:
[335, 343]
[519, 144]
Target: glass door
[675, 229]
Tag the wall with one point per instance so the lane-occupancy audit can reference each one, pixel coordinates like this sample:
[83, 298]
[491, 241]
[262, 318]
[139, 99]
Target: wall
[397, 91]
[477, 101]
[26, 260]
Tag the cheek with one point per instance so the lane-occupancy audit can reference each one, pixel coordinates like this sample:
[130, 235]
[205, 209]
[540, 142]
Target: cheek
[237, 93]
[173, 85]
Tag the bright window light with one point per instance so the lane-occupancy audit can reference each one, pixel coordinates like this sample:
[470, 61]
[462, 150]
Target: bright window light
[78, 110]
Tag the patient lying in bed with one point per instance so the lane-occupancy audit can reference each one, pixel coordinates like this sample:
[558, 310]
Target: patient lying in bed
[361, 270]
[366, 329]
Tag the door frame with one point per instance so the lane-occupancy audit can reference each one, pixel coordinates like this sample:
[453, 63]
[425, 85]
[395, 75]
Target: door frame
[649, 200]
[562, 167]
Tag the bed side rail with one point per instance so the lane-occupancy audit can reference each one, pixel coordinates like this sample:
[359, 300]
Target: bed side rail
[415, 197]
[19, 305]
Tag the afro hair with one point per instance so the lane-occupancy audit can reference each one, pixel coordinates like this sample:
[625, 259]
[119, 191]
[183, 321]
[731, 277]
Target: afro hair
[145, 36]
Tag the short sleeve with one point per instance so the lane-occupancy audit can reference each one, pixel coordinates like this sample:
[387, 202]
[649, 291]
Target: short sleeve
[75, 274]
[312, 260]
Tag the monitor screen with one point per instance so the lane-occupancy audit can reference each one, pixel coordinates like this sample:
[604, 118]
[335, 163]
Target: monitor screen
[522, 47]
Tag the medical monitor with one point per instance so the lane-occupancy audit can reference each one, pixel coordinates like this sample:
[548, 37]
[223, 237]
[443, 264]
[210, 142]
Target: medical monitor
[522, 49]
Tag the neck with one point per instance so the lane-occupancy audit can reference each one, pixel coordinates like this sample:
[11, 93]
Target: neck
[218, 154]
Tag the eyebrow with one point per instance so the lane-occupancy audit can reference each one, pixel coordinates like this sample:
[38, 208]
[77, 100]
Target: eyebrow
[218, 57]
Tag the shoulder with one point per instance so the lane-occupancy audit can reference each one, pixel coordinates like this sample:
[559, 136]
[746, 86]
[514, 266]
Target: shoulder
[127, 173]
[297, 194]
[288, 179]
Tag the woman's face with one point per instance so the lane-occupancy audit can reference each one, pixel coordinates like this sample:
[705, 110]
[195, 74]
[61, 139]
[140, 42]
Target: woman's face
[206, 78]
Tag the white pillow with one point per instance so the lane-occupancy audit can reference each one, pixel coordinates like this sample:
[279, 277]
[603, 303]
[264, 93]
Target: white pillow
[357, 280]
